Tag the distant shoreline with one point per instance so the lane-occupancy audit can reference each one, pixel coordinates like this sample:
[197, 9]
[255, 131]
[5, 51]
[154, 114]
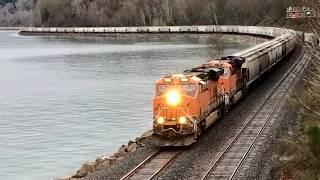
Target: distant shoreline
[267, 32]
[10, 28]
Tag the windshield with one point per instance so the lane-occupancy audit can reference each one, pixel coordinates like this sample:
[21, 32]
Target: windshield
[186, 89]
[226, 72]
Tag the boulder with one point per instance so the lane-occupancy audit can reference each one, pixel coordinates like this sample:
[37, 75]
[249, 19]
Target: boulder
[144, 138]
[122, 151]
[130, 142]
[103, 162]
[85, 169]
[132, 147]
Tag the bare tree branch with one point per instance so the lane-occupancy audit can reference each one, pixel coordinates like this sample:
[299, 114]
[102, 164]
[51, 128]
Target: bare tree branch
[312, 93]
[307, 107]
[310, 81]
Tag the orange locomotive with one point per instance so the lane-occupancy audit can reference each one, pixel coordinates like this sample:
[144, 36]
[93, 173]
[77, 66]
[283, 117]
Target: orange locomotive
[186, 104]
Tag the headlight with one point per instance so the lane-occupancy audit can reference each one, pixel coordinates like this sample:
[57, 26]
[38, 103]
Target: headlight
[160, 120]
[173, 98]
[182, 120]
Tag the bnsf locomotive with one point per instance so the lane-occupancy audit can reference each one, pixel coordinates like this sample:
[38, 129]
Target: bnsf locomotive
[186, 104]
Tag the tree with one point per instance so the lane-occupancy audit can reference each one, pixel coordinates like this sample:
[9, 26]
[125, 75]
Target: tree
[4, 2]
[6, 17]
[149, 12]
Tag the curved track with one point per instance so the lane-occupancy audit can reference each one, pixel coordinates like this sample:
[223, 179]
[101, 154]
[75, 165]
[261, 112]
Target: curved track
[153, 165]
[230, 160]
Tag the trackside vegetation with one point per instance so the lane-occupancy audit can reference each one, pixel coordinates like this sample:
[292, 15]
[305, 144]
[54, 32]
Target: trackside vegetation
[300, 154]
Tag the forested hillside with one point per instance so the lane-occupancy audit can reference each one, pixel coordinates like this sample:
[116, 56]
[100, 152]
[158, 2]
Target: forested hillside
[147, 12]
[16, 13]
[160, 12]
[4, 2]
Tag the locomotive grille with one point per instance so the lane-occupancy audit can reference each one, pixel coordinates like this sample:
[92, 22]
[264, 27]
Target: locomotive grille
[171, 113]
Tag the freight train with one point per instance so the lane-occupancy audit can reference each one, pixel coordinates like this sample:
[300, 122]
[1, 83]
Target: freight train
[186, 104]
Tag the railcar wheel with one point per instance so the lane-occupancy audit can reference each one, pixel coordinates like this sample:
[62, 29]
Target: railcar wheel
[222, 110]
[245, 87]
[201, 128]
[199, 132]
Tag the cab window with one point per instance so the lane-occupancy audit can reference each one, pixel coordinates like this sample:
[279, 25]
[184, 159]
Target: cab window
[226, 72]
[186, 89]
[161, 89]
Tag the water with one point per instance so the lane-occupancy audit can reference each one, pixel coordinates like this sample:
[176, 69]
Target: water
[64, 101]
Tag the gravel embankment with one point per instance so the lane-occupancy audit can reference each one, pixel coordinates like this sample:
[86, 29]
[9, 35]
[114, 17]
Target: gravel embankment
[194, 161]
[268, 165]
[265, 164]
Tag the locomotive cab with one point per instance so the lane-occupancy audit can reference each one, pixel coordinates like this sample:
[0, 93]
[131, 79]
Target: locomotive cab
[174, 105]
[181, 103]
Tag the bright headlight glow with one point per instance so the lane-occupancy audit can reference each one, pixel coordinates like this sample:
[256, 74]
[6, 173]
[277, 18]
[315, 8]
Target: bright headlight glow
[173, 97]
[160, 120]
[182, 120]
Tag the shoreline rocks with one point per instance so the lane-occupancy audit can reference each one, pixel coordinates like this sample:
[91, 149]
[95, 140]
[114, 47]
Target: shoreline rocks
[107, 161]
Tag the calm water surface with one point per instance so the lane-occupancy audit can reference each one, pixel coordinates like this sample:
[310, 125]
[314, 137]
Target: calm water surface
[64, 101]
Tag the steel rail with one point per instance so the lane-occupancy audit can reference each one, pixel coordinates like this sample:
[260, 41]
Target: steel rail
[129, 174]
[250, 120]
[264, 126]
[149, 159]
[164, 166]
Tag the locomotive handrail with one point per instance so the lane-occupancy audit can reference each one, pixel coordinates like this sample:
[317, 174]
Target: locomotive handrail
[193, 121]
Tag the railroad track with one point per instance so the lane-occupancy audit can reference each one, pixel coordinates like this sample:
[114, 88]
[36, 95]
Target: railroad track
[153, 165]
[227, 164]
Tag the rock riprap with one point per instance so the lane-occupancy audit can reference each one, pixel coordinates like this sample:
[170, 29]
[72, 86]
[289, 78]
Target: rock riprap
[107, 161]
